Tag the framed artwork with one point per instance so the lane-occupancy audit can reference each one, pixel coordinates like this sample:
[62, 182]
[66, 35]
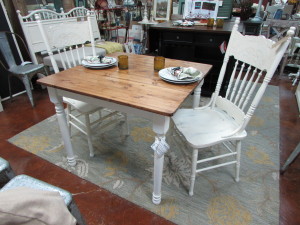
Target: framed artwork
[201, 9]
[161, 9]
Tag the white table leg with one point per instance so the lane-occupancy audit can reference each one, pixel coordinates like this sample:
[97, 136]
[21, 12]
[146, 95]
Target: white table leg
[197, 94]
[160, 147]
[62, 121]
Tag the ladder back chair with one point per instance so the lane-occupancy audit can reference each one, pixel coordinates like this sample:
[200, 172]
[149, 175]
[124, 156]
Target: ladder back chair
[24, 71]
[67, 42]
[224, 119]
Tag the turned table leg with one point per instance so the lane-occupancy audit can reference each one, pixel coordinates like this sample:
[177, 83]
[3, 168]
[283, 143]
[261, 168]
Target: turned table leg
[160, 147]
[62, 121]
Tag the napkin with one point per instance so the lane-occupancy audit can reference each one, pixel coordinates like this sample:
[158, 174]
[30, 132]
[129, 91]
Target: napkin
[185, 73]
[98, 59]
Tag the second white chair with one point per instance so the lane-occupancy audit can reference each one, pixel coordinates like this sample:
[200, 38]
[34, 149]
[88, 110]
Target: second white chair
[66, 40]
[225, 118]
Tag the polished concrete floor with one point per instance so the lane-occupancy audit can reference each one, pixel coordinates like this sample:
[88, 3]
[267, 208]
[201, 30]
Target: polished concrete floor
[99, 206]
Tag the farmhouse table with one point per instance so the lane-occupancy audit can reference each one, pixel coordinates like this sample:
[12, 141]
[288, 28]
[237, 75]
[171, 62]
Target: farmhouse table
[138, 90]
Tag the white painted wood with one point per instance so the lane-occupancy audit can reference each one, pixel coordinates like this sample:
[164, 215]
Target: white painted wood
[57, 37]
[197, 94]
[50, 18]
[224, 119]
[160, 127]
[61, 117]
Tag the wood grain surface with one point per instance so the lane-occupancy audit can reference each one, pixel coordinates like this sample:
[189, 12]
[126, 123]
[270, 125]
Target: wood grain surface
[139, 86]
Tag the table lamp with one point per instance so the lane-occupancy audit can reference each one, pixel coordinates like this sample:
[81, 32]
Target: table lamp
[257, 17]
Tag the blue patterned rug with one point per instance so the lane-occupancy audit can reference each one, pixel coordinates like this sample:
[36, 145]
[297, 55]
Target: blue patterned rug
[124, 165]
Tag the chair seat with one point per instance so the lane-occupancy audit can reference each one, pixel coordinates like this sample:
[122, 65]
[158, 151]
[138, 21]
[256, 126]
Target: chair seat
[6, 173]
[27, 69]
[80, 106]
[30, 182]
[4, 165]
[88, 51]
[205, 127]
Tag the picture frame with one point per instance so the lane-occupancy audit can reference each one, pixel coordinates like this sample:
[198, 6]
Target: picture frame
[162, 9]
[201, 9]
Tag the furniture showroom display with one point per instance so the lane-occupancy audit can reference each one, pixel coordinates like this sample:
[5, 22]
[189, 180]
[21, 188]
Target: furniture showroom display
[138, 90]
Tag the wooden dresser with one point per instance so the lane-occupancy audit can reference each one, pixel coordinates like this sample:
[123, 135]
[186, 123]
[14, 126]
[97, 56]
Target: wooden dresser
[197, 44]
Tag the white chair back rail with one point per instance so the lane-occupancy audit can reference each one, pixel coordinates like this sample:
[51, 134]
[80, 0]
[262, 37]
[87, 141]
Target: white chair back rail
[262, 57]
[50, 19]
[63, 39]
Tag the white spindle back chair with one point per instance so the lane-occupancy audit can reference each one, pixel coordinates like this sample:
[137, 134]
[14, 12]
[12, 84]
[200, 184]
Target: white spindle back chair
[68, 42]
[224, 118]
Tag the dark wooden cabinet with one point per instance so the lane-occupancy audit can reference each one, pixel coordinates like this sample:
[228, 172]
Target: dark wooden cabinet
[197, 44]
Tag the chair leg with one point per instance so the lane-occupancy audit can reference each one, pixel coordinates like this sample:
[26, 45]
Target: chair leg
[89, 134]
[40, 75]
[238, 160]
[76, 213]
[193, 174]
[69, 108]
[27, 85]
[283, 64]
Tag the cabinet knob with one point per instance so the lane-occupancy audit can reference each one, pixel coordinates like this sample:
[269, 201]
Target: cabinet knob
[177, 37]
[210, 40]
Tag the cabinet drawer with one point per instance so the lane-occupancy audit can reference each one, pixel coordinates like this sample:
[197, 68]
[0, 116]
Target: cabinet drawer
[211, 39]
[176, 36]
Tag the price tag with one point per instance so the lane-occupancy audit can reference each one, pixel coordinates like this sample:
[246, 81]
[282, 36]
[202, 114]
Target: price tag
[160, 146]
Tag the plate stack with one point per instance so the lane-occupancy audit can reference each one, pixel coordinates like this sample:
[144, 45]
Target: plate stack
[166, 75]
[94, 62]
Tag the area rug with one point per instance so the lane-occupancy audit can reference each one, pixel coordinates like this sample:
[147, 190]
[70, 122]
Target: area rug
[124, 164]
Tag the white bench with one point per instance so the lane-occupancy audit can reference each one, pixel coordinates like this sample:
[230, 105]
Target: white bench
[77, 17]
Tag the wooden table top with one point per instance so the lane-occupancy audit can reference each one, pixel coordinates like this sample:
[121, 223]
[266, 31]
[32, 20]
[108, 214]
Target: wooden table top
[138, 87]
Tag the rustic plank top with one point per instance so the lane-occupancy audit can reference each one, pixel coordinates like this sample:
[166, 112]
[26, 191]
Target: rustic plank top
[138, 87]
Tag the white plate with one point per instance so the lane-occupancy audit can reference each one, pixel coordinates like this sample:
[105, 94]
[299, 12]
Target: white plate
[98, 65]
[167, 76]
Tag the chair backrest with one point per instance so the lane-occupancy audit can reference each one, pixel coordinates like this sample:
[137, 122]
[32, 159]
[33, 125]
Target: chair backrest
[278, 14]
[288, 10]
[6, 50]
[271, 10]
[51, 18]
[256, 59]
[65, 42]
[282, 26]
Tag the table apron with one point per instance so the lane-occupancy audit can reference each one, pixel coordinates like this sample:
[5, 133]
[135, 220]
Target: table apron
[104, 103]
